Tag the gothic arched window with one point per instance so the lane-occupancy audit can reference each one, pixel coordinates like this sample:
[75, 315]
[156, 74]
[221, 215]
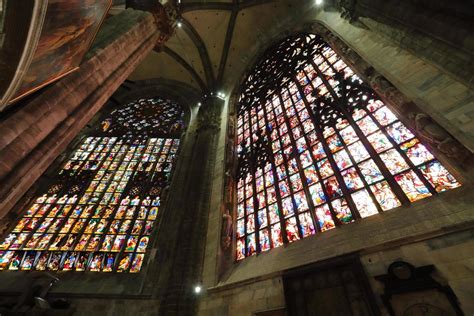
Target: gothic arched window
[98, 212]
[318, 148]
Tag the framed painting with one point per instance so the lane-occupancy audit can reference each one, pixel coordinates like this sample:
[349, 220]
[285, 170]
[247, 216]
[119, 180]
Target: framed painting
[68, 31]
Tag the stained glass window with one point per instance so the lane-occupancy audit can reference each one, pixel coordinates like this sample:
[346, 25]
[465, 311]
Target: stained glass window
[100, 210]
[318, 149]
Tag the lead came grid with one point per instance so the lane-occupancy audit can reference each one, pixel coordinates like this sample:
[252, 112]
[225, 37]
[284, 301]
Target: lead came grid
[321, 151]
[104, 221]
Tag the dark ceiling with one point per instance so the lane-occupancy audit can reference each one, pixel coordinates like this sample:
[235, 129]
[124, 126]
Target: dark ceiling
[217, 40]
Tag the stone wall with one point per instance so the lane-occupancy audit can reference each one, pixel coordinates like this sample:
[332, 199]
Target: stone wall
[440, 32]
[432, 231]
[451, 254]
[397, 234]
[258, 296]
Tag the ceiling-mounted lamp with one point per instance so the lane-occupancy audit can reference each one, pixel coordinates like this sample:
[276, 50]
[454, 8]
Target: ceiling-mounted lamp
[197, 289]
[221, 95]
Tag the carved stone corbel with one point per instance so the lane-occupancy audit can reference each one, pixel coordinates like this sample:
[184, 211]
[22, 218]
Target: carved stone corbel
[166, 19]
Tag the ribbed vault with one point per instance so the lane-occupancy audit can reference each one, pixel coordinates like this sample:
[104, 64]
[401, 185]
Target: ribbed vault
[218, 40]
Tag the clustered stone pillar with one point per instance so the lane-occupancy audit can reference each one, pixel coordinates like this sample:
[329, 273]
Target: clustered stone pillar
[184, 247]
[34, 135]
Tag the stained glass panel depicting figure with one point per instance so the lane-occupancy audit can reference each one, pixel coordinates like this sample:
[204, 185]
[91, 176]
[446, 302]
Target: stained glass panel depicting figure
[98, 213]
[332, 150]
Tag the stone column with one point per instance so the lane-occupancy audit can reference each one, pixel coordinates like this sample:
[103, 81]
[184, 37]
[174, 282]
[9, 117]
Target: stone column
[40, 130]
[184, 227]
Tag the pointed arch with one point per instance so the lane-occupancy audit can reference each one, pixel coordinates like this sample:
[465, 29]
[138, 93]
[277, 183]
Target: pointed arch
[318, 148]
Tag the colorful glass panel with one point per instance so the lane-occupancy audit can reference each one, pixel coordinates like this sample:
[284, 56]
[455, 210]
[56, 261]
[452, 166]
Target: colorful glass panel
[99, 212]
[331, 150]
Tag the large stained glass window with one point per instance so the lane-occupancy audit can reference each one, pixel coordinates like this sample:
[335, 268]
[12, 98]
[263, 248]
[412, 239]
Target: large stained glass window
[99, 212]
[318, 149]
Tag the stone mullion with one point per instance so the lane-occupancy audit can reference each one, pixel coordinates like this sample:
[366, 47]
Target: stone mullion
[253, 170]
[395, 145]
[373, 154]
[386, 173]
[277, 181]
[454, 154]
[79, 234]
[359, 172]
[332, 162]
[345, 191]
[65, 189]
[405, 157]
[73, 206]
[312, 207]
[112, 216]
[322, 141]
[110, 220]
[135, 217]
[275, 178]
[293, 144]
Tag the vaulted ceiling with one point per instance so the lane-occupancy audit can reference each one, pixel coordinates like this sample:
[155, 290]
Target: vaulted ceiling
[217, 41]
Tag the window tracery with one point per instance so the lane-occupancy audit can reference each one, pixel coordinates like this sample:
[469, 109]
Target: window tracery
[317, 148]
[100, 210]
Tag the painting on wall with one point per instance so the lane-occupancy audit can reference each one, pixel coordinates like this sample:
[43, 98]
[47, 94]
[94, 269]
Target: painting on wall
[67, 34]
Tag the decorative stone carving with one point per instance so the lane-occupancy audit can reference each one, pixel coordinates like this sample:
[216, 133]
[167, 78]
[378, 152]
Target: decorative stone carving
[166, 18]
[230, 144]
[402, 278]
[209, 115]
[231, 127]
[226, 233]
[209, 120]
[165, 13]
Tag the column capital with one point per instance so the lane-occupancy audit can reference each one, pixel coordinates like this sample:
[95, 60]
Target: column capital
[210, 112]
